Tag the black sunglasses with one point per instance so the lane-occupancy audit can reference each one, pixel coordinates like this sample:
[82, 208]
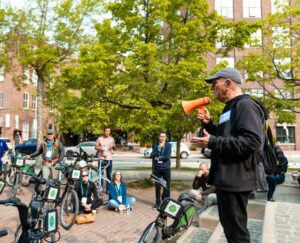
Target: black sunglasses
[84, 175]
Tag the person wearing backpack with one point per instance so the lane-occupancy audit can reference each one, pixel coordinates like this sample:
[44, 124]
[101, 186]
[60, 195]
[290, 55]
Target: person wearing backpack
[52, 152]
[235, 145]
[279, 176]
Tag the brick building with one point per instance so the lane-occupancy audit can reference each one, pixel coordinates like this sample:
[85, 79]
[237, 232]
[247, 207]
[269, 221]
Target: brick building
[18, 104]
[287, 135]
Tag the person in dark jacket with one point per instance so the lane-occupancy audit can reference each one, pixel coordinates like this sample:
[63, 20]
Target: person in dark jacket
[161, 154]
[202, 191]
[279, 176]
[87, 194]
[117, 192]
[235, 144]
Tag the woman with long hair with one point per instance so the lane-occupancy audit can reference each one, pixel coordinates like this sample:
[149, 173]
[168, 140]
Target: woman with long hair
[117, 192]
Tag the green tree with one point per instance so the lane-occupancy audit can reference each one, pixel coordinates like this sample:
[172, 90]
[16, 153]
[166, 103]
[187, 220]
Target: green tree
[275, 64]
[147, 58]
[43, 36]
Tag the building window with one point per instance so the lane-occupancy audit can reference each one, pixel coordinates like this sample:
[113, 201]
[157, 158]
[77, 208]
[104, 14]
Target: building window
[252, 8]
[222, 35]
[34, 77]
[25, 100]
[34, 129]
[285, 134]
[255, 39]
[1, 99]
[25, 131]
[283, 66]
[229, 60]
[26, 79]
[17, 121]
[277, 6]
[224, 8]
[7, 120]
[1, 74]
[281, 37]
[33, 102]
[256, 92]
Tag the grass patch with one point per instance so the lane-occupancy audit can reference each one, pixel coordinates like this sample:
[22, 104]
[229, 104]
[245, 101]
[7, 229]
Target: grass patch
[183, 169]
[148, 183]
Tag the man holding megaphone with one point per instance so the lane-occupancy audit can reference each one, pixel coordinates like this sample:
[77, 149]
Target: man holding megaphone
[235, 143]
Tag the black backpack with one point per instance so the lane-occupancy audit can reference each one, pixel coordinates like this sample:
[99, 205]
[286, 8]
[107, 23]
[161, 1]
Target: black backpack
[268, 154]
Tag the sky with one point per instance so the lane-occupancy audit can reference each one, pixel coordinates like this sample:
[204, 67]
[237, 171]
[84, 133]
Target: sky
[16, 3]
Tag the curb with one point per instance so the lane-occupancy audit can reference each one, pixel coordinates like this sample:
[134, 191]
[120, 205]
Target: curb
[269, 223]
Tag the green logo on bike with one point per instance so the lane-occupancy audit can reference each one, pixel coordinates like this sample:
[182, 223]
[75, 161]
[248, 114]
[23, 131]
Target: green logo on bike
[52, 221]
[172, 208]
[52, 194]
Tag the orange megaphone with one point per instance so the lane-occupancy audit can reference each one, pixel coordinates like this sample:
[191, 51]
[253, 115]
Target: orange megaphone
[189, 106]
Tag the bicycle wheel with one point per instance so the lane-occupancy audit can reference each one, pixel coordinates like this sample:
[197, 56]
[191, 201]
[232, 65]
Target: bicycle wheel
[25, 180]
[16, 184]
[151, 234]
[69, 209]
[10, 177]
[101, 187]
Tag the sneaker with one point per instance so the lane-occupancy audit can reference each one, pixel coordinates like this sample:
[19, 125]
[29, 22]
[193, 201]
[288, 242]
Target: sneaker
[271, 200]
[155, 207]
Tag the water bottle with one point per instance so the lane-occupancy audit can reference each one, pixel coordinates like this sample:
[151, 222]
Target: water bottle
[128, 209]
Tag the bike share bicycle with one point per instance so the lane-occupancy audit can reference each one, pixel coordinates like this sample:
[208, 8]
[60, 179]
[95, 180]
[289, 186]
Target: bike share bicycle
[181, 211]
[37, 221]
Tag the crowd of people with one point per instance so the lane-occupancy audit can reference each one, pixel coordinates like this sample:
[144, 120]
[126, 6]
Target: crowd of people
[236, 151]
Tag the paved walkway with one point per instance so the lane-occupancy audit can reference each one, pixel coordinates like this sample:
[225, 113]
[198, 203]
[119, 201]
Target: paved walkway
[109, 226]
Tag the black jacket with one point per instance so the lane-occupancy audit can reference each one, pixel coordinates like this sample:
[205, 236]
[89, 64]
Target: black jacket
[235, 145]
[161, 158]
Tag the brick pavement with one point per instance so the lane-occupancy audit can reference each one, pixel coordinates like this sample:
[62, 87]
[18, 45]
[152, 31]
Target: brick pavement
[109, 226]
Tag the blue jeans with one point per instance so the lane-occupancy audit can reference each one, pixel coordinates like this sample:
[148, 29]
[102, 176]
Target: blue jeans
[113, 204]
[273, 181]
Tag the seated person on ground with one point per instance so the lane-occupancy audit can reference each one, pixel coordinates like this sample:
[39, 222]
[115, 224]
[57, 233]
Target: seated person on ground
[117, 192]
[87, 194]
[279, 176]
[203, 191]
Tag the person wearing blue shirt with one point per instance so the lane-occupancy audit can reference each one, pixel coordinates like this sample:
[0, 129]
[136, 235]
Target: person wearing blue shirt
[117, 192]
[161, 154]
[3, 151]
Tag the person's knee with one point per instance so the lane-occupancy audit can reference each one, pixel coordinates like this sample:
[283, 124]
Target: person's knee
[112, 204]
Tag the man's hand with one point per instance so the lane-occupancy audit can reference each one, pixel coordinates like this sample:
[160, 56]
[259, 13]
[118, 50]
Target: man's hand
[199, 197]
[205, 118]
[202, 142]
[26, 157]
[199, 173]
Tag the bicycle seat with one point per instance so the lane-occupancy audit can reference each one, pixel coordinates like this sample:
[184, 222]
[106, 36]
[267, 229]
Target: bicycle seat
[60, 167]
[186, 197]
[160, 181]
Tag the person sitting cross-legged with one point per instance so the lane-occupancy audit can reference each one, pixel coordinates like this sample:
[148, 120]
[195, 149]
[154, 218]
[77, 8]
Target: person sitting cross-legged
[117, 192]
[87, 194]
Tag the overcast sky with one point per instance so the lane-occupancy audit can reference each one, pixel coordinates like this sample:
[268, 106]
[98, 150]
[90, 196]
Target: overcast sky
[17, 3]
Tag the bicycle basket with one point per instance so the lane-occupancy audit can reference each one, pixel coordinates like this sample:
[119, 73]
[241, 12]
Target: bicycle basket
[74, 174]
[50, 221]
[171, 208]
[19, 162]
[2, 185]
[51, 193]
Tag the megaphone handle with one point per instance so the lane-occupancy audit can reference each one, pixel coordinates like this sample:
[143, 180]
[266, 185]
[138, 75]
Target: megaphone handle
[201, 110]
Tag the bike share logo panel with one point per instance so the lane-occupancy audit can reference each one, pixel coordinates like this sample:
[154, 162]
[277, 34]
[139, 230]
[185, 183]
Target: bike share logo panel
[51, 221]
[76, 174]
[172, 208]
[52, 193]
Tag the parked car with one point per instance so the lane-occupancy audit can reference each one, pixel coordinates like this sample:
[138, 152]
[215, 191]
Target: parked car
[88, 147]
[28, 147]
[8, 142]
[184, 151]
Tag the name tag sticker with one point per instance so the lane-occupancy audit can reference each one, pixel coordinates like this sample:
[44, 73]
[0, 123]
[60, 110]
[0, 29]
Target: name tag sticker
[225, 117]
[48, 154]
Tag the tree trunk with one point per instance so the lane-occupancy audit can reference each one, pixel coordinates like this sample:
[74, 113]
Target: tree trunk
[178, 163]
[39, 108]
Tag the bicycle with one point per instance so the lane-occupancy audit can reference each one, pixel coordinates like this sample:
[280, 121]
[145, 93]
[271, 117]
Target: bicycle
[95, 174]
[69, 203]
[181, 211]
[37, 222]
